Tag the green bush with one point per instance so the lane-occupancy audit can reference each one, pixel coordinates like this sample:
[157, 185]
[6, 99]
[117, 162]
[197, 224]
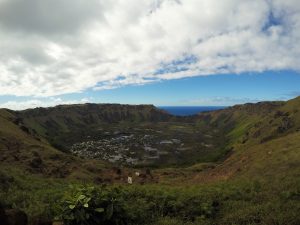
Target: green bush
[115, 205]
[87, 205]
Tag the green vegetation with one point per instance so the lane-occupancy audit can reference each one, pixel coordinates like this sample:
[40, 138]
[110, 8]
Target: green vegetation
[240, 201]
[243, 168]
[90, 205]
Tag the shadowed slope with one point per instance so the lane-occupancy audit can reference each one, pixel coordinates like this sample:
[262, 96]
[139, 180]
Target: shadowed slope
[22, 149]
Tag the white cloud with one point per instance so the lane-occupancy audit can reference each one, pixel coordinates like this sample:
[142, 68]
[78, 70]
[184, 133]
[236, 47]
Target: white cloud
[54, 47]
[46, 102]
[221, 101]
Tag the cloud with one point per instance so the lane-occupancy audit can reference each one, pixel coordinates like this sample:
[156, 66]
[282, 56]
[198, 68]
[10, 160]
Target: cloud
[221, 101]
[48, 17]
[45, 102]
[55, 47]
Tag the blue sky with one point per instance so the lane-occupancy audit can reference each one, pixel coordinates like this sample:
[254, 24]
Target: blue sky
[161, 52]
[207, 90]
[216, 90]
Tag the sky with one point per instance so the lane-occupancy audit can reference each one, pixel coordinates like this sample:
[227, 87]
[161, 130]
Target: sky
[161, 52]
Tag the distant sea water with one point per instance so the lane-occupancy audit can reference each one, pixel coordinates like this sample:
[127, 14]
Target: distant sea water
[189, 110]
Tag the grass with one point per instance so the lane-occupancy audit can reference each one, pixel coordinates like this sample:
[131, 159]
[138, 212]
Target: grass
[239, 201]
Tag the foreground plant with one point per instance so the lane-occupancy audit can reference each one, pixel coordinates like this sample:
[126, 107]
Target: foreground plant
[87, 205]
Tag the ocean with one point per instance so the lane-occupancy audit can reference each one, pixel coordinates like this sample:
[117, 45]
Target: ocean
[189, 110]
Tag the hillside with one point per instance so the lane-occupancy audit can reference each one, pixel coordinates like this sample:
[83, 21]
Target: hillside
[256, 123]
[262, 139]
[20, 149]
[239, 165]
[65, 118]
[56, 122]
[122, 134]
[144, 135]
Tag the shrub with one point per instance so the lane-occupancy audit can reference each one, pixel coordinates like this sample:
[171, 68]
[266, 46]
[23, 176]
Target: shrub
[88, 205]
